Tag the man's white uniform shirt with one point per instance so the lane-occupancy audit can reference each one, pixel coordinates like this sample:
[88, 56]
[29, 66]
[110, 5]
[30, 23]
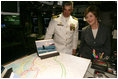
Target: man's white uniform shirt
[65, 39]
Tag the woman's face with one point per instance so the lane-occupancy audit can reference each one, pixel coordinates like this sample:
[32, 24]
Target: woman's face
[91, 19]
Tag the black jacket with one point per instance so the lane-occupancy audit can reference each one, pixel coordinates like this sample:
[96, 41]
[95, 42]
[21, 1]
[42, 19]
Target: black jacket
[102, 43]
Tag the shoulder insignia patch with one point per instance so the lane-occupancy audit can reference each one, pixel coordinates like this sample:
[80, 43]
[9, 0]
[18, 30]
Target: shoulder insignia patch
[55, 16]
[75, 18]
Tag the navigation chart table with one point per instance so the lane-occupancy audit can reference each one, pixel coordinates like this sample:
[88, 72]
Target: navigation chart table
[64, 66]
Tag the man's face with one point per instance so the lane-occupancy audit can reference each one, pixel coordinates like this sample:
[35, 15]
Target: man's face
[67, 10]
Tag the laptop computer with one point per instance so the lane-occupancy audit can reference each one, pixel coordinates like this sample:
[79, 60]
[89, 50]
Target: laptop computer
[46, 48]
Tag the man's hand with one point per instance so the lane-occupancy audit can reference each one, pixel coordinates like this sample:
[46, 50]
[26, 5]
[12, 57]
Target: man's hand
[74, 52]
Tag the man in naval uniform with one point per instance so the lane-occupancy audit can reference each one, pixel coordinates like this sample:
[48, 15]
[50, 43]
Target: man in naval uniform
[64, 27]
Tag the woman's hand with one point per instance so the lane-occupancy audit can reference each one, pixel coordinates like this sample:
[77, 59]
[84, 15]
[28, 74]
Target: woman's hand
[106, 57]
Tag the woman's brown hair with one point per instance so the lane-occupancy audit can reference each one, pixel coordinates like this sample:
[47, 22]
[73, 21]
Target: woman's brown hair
[92, 9]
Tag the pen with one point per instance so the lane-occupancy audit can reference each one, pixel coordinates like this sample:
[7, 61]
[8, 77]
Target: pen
[96, 56]
[101, 55]
[93, 55]
[94, 51]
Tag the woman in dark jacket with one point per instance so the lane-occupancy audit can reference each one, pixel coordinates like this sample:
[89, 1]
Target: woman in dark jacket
[95, 36]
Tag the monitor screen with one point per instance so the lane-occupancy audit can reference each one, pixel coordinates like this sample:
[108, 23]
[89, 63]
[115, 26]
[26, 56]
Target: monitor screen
[10, 20]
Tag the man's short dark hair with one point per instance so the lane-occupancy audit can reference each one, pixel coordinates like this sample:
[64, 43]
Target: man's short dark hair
[67, 3]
